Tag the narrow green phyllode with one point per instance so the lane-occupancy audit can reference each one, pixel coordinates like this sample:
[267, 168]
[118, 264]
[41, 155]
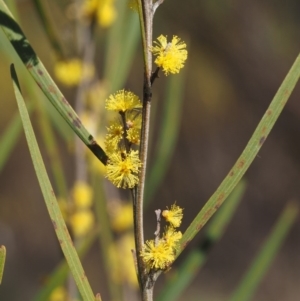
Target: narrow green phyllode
[50, 199]
[41, 76]
[248, 155]
[263, 260]
[2, 261]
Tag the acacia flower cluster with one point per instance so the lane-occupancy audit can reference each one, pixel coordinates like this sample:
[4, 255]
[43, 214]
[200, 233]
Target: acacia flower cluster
[104, 11]
[123, 135]
[123, 168]
[170, 56]
[173, 215]
[123, 101]
[71, 72]
[78, 213]
[82, 218]
[158, 254]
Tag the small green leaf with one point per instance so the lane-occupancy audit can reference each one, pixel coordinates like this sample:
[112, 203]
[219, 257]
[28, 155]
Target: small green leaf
[263, 260]
[50, 199]
[2, 261]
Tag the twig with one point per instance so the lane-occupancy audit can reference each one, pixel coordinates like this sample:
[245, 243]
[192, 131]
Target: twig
[157, 232]
[156, 5]
[147, 18]
[154, 75]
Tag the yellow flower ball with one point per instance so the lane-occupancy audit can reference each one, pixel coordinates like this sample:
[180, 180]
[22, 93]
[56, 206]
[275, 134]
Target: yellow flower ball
[82, 195]
[71, 72]
[82, 222]
[170, 56]
[122, 217]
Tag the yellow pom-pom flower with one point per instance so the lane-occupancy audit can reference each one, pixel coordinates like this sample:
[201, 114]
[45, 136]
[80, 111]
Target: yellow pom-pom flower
[104, 10]
[82, 195]
[113, 137]
[121, 217]
[72, 71]
[122, 101]
[173, 215]
[134, 124]
[82, 222]
[106, 15]
[157, 256]
[170, 56]
[160, 253]
[171, 237]
[134, 135]
[122, 169]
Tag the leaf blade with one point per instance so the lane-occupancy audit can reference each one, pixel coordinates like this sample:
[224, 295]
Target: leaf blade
[2, 261]
[50, 199]
[248, 155]
[264, 258]
[41, 76]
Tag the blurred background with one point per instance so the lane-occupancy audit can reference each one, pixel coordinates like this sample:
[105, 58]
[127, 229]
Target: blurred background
[238, 54]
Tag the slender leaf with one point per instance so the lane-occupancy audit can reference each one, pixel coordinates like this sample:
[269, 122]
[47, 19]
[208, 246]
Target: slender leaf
[58, 123]
[263, 260]
[2, 261]
[50, 199]
[197, 257]
[168, 134]
[248, 155]
[50, 142]
[39, 73]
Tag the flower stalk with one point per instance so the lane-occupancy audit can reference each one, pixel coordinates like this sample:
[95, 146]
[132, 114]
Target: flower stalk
[146, 22]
